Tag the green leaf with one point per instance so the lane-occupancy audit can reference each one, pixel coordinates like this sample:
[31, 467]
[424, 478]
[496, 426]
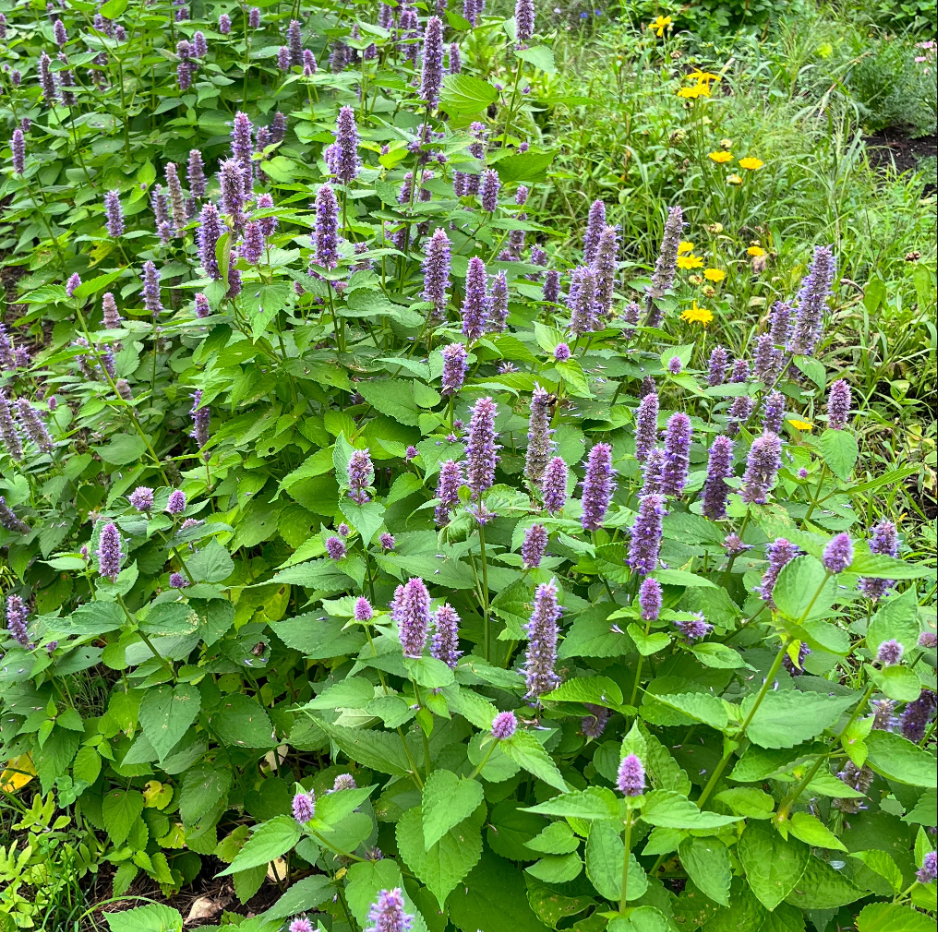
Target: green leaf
[557, 838]
[94, 285]
[896, 619]
[594, 803]
[668, 809]
[525, 167]
[540, 56]
[155, 917]
[896, 758]
[786, 719]
[87, 765]
[393, 397]
[773, 865]
[745, 912]
[376, 750]
[883, 566]
[167, 713]
[526, 751]
[699, 706]
[556, 868]
[840, 451]
[605, 856]
[241, 722]
[683, 578]
[640, 919]
[445, 864]
[748, 801]
[801, 592]
[896, 682]
[822, 887]
[892, 917]
[493, 899]
[447, 801]
[269, 841]
[463, 93]
[122, 450]
[366, 519]
[203, 787]
[303, 896]
[648, 644]
[596, 690]
[707, 862]
[120, 810]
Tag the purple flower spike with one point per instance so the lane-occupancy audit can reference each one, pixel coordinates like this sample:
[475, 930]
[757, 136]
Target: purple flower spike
[481, 448]
[113, 213]
[72, 285]
[719, 360]
[779, 553]
[762, 465]
[594, 724]
[554, 485]
[47, 81]
[388, 915]
[504, 725]
[436, 265]
[110, 316]
[304, 807]
[335, 548]
[540, 434]
[666, 266]
[838, 405]
[488, 190]
[325, 237]
[498, 304]
[793, 668]
[740, 372]
[551, 292]
[18, 148]
[604, 265]
[780, 323]
[918, 715]
[196, 174]
[677, 442]
[927, 640]
[445, 644]
[524, 19]
[9, 520]
[17, 621]
[582, 300]
[253, 245]
[652, 472]
[447, 490]
[773, 413]
[645, 545]
[455, 366]
[141, 498]
[300, 925]
[361, 475]
[646, 427]
[34, 426]
[889, 653]
[363, 610]
[719, 469]
[176, 504]
[631, 776]
[885, 540]
[151, 288]
[595, 224]
[675, 365]
[344, 781]
[209, 233]
[838, 554]
[432, 77]
[177, 581]
[812, 300]
[231, 182]
[535, 543]
[561, 352]
[695, 629]
[598, 486]
[541, 656]
[109, 552]
[649, 599]
[295, 42]
[345, 163]
[928, 872]
[475, 308]
[411, 612]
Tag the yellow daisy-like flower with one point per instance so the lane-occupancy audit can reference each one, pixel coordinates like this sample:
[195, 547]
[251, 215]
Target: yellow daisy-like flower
[751, 164]
[660, 24]
[689, 262]
[683, 247]
[703, 77]
[692, 93]
[755, 251]
[734, 179]
[697, 315]
[799, 424]
[714, 275]
[721, 157]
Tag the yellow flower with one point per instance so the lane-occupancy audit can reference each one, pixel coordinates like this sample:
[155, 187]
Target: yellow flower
[703, 77]
[697, 315]
[660, 24]
[800, 425]
[692, 93]
[683, 247]
[734, 179]
[714, 275]
[755, 251]
[751, 164]
[689, 262]
[721, 157]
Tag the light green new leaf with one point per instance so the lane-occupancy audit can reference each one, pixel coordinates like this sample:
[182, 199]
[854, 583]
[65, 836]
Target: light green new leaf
[668, 809]
[447, 801]
[605, 853]
[594, 803]
[896, 758]
[812, 831]
[151, 918]
[120, 811]
[892, 917]
[526, 751]
[269, 841]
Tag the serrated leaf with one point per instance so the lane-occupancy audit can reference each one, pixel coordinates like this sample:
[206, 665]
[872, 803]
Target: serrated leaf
[447, 801]
[269, 841]
[155, 917]
[463, 93]
[166, 714]
[786, 719]
[896, 758]
[120, 810]
[892, 917]
[526, 751]
[593, 803]
[707, 862]
[605, 860]
[840, 451]
[596, 690]
[773, 865]
[668, 809]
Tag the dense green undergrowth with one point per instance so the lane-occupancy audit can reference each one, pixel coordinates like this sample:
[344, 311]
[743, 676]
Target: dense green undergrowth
[464, 477]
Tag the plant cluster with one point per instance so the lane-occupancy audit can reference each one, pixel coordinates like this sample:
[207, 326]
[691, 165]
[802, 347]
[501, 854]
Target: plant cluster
[448, 573]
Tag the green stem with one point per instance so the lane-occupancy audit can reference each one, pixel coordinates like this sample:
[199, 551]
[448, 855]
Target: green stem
[625, 862]
[146, 640]
[484, 761]
[485, 593]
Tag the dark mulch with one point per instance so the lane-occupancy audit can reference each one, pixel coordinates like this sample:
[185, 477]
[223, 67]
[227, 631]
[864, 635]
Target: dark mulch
[892, 147]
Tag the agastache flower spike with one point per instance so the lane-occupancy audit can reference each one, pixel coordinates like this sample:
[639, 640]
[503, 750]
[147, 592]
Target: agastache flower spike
[33, 426]
[498, 304]
[884, 541]
[605, 269]
[535, 543]
[780, 323]
[454, 368]
[488, 190]
[645, 546]
[455, 59]
[762, 465]
[554, 485]
[361, 475]
[582, 300]
[345, 163]
[432, 76]
[598, 486]
[231, 181]
[889, 653]
[719, 469]
[18, 147]
[838, 405]
[838, 554]
[411, 612]
[718, 363]
[436, 265]
[773, 413]
[540, 434]
[595, 224]
[779, 553]
[504, 725]
[46, 81]
[445, 643]
[646, 426]
[475, 306]
[113, 213]
[740, 372]
[295, 42]
[768, 359]
[109, 552]
[200, 419]
[335, 548]
[652, 471]
[541, 655]
[447, 490]
[72, 285]
[812, 300]
[196, 174]
[176, 199]
[677, 442]
[650, 599]
[208, 235]
[666, 266]
[326, 231]
[918, 715]
[631, 776]
[551, 292]
[16, 621]
[388, 915]
[151, 288]
[304, 807]
[363, 610]
[9, 520]
[481, 448]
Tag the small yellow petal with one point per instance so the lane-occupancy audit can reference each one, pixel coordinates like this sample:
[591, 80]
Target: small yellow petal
[751, 164]
[714, 275]
[800, 425]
